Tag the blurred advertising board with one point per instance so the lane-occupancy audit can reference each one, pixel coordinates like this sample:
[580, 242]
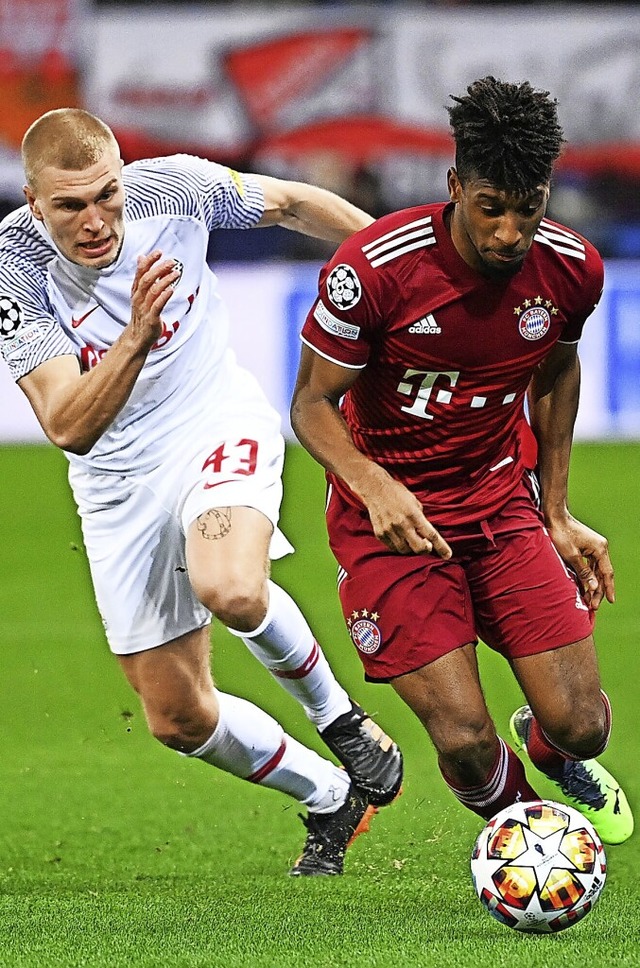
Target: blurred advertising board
[268, 305]
[276, 87]
[280, 85]
[39, 60]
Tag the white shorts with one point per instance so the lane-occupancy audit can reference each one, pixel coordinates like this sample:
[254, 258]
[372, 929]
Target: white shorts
[134, 528]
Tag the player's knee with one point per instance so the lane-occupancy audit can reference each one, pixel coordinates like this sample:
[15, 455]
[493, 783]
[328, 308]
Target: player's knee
[183, 730]
[585, 733]
[468, 752]
[239, 601]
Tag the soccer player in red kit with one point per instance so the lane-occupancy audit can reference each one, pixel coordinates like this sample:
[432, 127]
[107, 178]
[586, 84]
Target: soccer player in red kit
[432, 327]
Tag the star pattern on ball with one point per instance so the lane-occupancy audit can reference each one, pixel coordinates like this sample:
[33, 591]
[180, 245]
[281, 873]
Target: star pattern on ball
[543, 854]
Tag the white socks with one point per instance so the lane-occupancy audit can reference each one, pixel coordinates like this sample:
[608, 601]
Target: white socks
[285, 645]
[250, 744]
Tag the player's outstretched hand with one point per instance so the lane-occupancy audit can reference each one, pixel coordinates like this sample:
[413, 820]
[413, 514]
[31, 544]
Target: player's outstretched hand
[151, 290]
[399, 522]
[587, 553]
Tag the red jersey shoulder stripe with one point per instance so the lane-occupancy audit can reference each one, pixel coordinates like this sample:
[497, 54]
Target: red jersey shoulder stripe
[561, 240]
[406, 238]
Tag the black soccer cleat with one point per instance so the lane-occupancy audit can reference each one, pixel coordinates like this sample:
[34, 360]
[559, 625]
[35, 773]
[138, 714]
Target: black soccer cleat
[329, 835]
[371, 758]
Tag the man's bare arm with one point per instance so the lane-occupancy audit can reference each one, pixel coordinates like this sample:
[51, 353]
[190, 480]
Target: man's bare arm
[396, 514]
[553, 405]
[74, 408]
[310, 210]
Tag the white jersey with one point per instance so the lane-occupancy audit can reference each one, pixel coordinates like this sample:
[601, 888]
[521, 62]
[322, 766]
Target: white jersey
[52, 307]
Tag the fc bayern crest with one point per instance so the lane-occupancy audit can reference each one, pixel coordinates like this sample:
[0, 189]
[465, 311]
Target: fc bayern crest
[366, 636]
[343, 287]
[534, 323]
[10, 317]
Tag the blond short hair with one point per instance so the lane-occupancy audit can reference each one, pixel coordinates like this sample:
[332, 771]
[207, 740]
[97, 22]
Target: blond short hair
[67, 138]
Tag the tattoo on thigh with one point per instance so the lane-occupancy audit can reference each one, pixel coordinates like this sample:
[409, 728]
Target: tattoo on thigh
[215, 524]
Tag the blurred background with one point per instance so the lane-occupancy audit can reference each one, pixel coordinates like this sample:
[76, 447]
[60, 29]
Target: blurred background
[350, 96]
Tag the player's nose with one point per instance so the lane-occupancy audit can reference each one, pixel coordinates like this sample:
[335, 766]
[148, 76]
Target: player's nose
[508, 232]
[93, 220]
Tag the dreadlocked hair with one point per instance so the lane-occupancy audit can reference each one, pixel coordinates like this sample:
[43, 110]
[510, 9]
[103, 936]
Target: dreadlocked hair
[508, 134]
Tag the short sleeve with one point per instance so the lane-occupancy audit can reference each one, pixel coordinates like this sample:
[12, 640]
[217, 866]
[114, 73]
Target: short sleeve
[342, 322]
[220, 197]
[29, 333]
[588, 294]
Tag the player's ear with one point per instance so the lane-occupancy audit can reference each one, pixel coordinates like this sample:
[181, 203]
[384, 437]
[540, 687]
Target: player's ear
[32, 202]
[454, 184]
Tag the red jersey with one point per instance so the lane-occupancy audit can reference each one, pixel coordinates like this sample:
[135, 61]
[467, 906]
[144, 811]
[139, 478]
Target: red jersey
[445, 353]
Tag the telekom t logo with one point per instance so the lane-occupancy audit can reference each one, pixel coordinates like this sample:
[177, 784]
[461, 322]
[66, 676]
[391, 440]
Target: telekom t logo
[419, 406]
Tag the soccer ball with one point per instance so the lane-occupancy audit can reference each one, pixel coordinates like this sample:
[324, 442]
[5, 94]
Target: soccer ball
[538, 866]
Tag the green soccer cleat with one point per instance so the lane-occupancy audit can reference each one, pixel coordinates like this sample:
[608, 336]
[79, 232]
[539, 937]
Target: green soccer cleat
[585, 785]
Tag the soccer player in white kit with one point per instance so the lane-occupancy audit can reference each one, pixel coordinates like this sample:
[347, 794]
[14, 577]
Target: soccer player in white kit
[113, 327]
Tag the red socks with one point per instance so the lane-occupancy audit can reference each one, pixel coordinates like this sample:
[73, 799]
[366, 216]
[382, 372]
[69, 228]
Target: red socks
[505, 784]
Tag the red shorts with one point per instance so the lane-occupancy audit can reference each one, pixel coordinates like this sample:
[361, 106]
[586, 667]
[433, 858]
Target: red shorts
[506, 584]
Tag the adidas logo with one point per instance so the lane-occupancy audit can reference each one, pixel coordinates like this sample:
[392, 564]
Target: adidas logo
[426, 325]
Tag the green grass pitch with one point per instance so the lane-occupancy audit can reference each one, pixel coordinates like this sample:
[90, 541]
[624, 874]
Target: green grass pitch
[116, 853]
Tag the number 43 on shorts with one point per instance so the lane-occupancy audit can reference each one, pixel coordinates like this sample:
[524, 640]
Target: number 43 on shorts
[238, 458]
